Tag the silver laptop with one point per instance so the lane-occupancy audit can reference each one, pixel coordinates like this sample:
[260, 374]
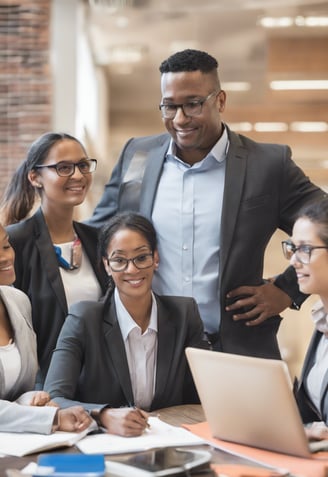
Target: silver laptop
[249, 401]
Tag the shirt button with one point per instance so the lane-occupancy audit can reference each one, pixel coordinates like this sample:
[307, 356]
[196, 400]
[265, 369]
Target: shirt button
[184, 247]
[187, 279]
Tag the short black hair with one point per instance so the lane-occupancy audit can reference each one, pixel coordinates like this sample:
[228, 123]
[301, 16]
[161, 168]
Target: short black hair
[189, 60]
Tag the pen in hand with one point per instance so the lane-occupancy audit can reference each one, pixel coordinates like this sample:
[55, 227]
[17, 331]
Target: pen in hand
[143, 414]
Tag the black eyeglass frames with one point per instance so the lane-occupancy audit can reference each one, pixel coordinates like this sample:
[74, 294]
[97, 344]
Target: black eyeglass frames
[303, 252]
[119, 264]
[66, 169]
[191, 108]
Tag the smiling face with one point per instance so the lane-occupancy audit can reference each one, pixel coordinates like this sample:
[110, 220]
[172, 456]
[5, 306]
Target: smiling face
[132, 283]
[194, 136]
[62, 191]
[312, 277]
[7, 257]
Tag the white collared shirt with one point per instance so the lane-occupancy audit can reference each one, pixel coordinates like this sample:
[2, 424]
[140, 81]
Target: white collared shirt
[187, 217]
[141, 352]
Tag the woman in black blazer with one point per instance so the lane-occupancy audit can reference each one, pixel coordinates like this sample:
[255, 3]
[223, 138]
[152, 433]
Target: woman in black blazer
[55, 263]
[128, 349]
[307, 251]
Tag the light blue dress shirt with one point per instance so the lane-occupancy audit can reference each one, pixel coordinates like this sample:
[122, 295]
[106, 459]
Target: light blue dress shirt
[187, 217]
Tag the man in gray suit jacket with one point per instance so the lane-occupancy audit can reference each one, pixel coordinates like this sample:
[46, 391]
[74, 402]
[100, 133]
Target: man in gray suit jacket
[215, 198]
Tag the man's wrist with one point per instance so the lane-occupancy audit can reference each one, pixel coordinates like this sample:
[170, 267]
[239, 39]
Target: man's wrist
[56, 422]
[295, 306]
[287, 282]
[95, 414]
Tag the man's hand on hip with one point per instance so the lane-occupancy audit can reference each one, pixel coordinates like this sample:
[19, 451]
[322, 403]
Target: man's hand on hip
[262, 301]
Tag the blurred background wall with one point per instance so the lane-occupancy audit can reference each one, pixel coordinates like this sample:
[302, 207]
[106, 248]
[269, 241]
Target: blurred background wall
[90, 67]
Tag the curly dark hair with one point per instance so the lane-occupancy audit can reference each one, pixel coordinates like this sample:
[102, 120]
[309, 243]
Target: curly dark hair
[189, 60]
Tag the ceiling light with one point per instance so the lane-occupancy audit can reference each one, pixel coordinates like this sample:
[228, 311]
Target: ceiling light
[281, 22]
[111, 4]
[236, 86]
[299, 84]
[299, 21]
[309, 126]
[242, 126]
[311, 21]
[271, 127]
[126, 53]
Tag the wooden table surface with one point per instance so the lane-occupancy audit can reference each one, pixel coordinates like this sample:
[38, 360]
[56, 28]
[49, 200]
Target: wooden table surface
[187, 414]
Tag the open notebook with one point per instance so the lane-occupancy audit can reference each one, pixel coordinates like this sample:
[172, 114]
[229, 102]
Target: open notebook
[249, 401]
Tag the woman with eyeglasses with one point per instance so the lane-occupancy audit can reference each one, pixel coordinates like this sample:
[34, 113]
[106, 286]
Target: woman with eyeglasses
[307, 251]
[55, 256]
[130, 358]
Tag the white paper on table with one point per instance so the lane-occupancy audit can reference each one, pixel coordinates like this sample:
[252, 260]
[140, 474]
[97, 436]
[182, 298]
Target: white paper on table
[20, 444]
[160, 434]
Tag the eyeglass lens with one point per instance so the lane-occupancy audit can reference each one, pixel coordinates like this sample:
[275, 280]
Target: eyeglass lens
[192, 108]
[189, 109]
[302, 253]
[141, 261]
[68, 168]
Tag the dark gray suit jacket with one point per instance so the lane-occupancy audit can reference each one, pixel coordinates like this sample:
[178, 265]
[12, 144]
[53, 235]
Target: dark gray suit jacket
[263, 191]
[308, 411]
[38, 275]
[90, 366]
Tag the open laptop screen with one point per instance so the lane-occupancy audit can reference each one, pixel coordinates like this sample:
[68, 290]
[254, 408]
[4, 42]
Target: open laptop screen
[249, 401]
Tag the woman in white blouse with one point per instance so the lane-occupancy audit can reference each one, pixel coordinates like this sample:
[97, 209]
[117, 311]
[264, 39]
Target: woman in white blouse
[307, 251]
[18, 363]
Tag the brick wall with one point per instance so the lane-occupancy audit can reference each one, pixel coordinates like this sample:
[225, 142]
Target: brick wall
[25, 80]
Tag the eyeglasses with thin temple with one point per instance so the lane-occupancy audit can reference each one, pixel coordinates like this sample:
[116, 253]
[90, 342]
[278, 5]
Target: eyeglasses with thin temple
[66, 169]
[120, 264]
[302, 252]
[190, 109]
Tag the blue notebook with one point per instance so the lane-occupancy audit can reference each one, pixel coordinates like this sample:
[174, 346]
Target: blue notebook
[71, 465]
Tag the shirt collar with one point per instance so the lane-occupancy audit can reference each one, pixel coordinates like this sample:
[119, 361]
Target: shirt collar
[219, 151]
[318, 312]
[126, 321]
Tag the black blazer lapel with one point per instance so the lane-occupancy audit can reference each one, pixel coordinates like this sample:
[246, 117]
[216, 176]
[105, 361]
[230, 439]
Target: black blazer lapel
[89, 239]
[49, 260]
[165, 351]
[151, 177]
[117, 354]
[233, 189]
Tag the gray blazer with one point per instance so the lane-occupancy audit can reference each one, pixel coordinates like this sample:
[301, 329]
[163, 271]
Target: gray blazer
[89, 365]
[19, 311]
[14, 417]
[263, 191]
